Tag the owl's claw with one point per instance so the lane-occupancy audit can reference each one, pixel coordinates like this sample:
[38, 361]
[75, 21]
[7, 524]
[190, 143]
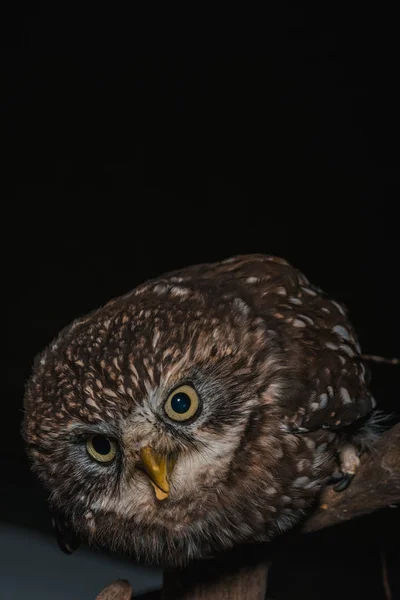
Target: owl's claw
[336, 476]
[349, 463]
[344, 482]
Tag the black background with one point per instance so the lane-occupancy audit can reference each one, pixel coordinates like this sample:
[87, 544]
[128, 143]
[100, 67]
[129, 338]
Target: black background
[139, 141]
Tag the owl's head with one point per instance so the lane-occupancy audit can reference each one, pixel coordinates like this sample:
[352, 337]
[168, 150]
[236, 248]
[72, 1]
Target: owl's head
[153, 422]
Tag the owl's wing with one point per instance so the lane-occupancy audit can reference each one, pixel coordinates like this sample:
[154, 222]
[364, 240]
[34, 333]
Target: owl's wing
[330, 397]
[327, 380]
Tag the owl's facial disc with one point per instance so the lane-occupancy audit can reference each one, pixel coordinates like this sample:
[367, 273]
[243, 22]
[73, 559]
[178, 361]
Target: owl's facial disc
[158, 468]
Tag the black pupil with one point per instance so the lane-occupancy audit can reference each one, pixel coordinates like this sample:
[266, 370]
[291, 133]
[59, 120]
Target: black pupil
[180, 403]
[101, 444]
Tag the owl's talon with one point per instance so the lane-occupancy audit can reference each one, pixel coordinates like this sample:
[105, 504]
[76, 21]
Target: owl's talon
[345, 480]
[349, 463]
[336, 476]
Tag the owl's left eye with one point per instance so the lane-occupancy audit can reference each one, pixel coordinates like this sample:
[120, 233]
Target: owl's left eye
[182, 404]
[101, 448]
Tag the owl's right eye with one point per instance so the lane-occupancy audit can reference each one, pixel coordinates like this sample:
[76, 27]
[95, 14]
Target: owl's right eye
[182, 404]
[101, 448]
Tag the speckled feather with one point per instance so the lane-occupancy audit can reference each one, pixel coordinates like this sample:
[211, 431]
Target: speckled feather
[277, 365]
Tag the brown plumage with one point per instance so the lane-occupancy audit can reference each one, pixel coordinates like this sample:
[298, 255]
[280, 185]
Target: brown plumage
[275, 385]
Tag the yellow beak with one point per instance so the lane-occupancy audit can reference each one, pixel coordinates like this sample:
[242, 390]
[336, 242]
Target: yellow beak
[158, 468]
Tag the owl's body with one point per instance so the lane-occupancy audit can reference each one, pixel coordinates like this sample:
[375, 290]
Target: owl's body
[279, 385]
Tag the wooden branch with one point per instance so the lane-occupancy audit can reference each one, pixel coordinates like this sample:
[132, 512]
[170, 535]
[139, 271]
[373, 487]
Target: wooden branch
[242, 574]
[117, 590]
[376, 485]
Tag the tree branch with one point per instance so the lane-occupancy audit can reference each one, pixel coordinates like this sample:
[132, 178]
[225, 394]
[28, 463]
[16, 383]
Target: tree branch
[376, 485]
[243, 575]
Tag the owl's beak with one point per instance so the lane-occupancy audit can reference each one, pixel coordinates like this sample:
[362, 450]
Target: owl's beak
[158, 468]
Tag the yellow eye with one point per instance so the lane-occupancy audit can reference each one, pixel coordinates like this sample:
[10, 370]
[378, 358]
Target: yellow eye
[101, 448]
[182, 404]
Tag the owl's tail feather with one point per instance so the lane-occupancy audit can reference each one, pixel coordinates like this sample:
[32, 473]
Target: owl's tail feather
[381, 359]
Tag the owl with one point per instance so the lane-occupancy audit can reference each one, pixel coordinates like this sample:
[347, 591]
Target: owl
[205, 409]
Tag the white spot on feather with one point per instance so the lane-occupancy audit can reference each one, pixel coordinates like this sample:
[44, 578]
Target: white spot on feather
[179, 291]
[342, 331]
[307, 319]
[298, 323]
[323, 400]
[156, 337]
[347, 350]
[281, 291]
[89, 391]
[241, 306]
[308, 291]
[331, 346]
[345, 396]
[340, 308]
[91, 402]
[160, 288]
[133, 369]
